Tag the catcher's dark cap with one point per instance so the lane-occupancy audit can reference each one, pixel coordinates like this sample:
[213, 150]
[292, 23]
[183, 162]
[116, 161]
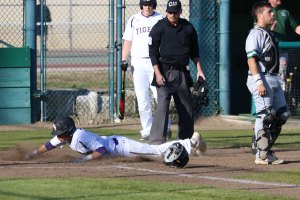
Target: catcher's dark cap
[63, 125]
[173, 6]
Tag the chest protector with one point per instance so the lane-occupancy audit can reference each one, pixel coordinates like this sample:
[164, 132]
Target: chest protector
[270, 55]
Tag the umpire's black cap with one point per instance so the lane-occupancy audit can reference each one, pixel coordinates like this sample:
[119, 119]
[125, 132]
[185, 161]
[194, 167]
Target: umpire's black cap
[173, 6]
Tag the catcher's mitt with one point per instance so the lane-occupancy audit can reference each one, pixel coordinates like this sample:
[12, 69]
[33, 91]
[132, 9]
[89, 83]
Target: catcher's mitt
[200, 91]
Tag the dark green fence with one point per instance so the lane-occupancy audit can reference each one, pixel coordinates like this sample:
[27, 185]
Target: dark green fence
[15, 86]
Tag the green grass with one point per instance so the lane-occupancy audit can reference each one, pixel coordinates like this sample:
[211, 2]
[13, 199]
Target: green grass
[106, 188]
[77, 80]
[290, 176]
[80, 79]
[242, 138]
[215, 139]
[10, 138]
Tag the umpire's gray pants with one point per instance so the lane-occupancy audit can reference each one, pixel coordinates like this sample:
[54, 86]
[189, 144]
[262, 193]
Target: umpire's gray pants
[175, 85]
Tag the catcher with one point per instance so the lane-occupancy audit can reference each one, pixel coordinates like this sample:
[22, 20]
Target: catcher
[94, 146]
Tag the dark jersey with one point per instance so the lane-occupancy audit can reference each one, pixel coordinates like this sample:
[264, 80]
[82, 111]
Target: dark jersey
[173, 45]
[286, 24]
[47, 15]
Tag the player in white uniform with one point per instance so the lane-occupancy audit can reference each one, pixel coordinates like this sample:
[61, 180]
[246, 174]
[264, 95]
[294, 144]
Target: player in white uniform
[94, 146]
[136, 43]
[264, 84]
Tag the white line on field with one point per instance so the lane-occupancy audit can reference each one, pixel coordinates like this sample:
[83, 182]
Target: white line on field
[163, 172]
[211, 177]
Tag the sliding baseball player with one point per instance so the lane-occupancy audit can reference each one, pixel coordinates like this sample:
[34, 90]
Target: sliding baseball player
[93, 146]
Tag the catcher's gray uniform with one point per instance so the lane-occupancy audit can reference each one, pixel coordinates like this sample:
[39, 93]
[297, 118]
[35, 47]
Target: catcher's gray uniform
[271, 109]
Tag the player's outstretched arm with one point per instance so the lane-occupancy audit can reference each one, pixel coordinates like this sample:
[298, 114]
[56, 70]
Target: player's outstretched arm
[93, 156]
[51, 144]
[42, 149]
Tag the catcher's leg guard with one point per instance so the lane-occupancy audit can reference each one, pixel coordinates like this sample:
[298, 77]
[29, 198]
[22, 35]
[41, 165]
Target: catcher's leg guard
[263, 143]
[263, 136]
[268, 116]
[275, 130]
[282, 116]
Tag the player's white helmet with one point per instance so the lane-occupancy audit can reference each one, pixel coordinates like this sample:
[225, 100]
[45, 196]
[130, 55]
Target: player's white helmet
[176, 156]
[148, 2]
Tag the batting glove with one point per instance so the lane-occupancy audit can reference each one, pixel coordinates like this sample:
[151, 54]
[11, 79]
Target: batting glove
[124, 65]
[82, 159]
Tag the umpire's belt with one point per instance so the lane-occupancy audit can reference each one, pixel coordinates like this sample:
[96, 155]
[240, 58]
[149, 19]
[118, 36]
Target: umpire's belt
[174, 67]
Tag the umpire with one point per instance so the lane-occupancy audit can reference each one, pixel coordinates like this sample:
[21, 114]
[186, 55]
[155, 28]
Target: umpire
[172, 42]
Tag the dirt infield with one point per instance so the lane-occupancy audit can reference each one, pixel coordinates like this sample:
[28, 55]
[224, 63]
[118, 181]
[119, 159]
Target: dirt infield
[218, 167]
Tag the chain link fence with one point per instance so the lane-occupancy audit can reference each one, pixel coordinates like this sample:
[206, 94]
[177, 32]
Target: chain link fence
[11, 23]
[292, 78]
[77, 61]
[77, 58]
[205, 17]
[73, 60]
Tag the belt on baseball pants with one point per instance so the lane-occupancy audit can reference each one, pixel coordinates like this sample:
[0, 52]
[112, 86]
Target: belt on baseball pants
[116, 141]
[266, 73]
[269, 73]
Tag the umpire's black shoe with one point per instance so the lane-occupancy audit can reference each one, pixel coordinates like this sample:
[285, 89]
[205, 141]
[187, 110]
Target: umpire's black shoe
[169, 134]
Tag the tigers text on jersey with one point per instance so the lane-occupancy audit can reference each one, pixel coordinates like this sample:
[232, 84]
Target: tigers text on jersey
[137, 30]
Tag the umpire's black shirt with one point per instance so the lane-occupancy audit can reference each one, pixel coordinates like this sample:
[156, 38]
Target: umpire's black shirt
[173, 45]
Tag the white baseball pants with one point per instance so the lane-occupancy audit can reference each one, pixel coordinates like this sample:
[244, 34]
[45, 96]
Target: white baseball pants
[130, 148]
[143, 73]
